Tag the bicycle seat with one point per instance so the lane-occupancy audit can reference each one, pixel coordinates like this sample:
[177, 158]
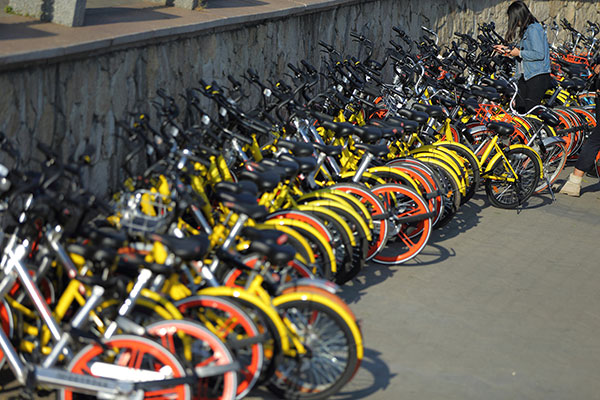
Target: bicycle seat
[238, 187]
[414, 115]
[288, 167]
[487, 92]
[471, 105]
[368, 133]
[251, 210]
[407, 125]
[445, 101]
[275, 253]
[329, 150]
[501, 128]
[390, 132]
[376, 150]
[432, 111]
[266, 235]
[130, 263]
[306, 164]
[187, 248]
[224, 195]
[341, 129]
[266, 181]
[298, 148]
[549, 118]
[498, 84]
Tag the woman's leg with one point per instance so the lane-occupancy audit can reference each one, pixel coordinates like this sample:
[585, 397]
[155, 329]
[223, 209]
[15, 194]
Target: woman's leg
[535, 89]
[587, 158]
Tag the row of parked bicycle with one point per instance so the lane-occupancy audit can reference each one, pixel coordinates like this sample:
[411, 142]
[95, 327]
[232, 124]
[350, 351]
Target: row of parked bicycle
[216, 268]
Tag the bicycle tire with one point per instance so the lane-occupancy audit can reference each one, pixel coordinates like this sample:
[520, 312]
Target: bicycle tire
[147, 352]
[472, 168]
[509, 195]
[331, 361]
[375, 207]
[206, 349]
[233, 326]
[403, 201]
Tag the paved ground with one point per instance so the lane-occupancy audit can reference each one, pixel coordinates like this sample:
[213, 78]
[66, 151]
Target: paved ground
[110, 23]
[500, 305]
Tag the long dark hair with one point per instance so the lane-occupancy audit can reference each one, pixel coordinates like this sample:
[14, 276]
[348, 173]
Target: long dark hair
[519, 18]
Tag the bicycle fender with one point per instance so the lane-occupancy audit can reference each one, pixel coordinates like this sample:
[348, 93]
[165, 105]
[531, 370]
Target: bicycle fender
[332, 214]
[318, 282]
[350, 174]
[341, 196]
[270, 311]
[462, 146]
[306, 296]
[306, 226]
[298, 214]
[488, 168]
[366, 232]
[409, 180]
[553, 139]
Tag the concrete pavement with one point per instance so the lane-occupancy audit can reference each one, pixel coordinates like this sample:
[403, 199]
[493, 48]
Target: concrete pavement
[500, 305]
[110, 24]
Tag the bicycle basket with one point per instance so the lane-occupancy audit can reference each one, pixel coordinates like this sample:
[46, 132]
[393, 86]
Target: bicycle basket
[492, 112]
[144, 211]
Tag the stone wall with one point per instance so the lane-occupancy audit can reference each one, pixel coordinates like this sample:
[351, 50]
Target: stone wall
[71, 102]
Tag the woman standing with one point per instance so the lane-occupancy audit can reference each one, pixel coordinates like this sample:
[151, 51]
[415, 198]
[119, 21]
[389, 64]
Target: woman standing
[532, 53]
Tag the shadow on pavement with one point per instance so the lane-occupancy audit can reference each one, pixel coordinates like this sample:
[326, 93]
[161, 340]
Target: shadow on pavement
[371, 275]
[213, 4]
[466, 217]
[373, 375]
[22, 30]
[362, 386]
[115, 15]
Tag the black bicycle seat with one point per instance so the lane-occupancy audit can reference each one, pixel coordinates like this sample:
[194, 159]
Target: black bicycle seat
[376, 150]
[187, 248]
[329, 150]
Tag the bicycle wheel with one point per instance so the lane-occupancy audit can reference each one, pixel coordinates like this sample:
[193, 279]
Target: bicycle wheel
[331, 357]
[503, 188]
[375, 207]
[428, 179]
[136, 356]
[471, 165]
[233, 326]
[271, 338]
[451, 197]
[410, 220]
[349, 262]
[198, 348]
[324, 265]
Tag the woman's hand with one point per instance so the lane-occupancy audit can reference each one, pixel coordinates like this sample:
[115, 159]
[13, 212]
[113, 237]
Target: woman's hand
[507, 52]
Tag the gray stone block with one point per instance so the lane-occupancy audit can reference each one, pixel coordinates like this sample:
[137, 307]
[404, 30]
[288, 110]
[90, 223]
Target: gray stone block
[64, 12]
[187, 4]
[29, 8]
[69, 12]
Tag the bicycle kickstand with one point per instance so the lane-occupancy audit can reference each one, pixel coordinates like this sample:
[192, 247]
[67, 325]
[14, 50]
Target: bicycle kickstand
[550, 189]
